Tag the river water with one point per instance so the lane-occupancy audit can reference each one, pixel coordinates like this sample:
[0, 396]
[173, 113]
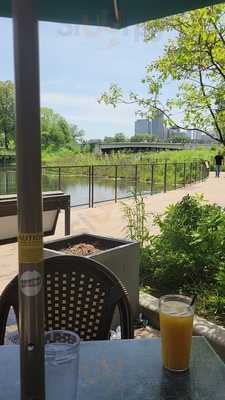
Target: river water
[78, 187]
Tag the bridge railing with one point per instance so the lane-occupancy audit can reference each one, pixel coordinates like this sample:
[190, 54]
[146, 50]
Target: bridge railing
[92, 184]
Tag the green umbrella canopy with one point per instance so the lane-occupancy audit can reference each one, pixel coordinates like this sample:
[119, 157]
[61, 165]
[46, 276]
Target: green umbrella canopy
[106, 12]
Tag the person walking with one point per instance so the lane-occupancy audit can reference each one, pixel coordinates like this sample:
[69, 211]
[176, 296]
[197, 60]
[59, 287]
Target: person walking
[218, 161]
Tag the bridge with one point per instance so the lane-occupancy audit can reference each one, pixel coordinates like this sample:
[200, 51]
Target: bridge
[143, 146]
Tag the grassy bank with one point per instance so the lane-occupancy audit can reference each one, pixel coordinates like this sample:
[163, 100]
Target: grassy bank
[69, 157]
[133, 166]
[175, 174]
[160, 171]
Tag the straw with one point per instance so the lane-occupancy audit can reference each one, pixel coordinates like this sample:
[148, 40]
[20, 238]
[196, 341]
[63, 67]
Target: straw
[193, 300]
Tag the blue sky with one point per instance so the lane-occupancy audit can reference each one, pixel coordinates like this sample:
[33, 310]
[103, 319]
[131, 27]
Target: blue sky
[78, 63]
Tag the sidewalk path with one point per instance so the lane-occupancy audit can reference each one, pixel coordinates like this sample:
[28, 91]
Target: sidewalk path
[108, 219]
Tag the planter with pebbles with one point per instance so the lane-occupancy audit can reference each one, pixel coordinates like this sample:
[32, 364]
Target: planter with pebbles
[120, 256]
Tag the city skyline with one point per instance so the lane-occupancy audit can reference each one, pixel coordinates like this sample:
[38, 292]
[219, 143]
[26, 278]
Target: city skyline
[157, 128]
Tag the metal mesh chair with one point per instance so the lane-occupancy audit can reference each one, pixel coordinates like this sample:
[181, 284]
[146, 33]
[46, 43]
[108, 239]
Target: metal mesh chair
[80, 295]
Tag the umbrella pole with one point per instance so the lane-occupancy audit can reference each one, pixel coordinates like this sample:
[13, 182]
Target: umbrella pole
[30, 242]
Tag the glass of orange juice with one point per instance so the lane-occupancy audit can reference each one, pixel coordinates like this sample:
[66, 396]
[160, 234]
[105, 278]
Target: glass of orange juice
[176, 322]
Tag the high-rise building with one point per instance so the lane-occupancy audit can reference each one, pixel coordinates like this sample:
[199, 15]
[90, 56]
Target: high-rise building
[157, 127]
[154, 127]
[142, 126]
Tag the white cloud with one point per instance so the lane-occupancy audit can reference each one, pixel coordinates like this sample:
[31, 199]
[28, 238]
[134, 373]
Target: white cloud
[84, 108]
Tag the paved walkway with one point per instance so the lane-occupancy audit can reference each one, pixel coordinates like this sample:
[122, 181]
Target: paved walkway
[108, 219]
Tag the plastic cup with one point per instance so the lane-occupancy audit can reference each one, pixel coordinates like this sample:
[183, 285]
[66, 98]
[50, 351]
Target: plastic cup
[176, 324]
[61, 365]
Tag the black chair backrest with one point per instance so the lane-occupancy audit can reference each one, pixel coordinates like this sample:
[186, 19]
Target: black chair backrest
[80, 295]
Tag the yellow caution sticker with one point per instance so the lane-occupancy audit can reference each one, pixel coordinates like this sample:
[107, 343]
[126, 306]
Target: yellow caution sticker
[30, 248]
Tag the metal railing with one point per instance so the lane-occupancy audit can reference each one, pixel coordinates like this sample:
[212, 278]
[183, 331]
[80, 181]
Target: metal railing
[92, 184]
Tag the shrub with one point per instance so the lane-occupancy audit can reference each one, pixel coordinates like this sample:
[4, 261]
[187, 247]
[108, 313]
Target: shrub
[137, 220]
[189, 254]
[191, 245]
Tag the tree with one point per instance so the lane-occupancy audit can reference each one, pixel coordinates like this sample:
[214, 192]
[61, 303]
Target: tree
[117, 138]
[120, 137]
[193, 57]
[7, 112]
[179, 139]
[142, 137]
[108, 139]
[77, 134]
[57, 131]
